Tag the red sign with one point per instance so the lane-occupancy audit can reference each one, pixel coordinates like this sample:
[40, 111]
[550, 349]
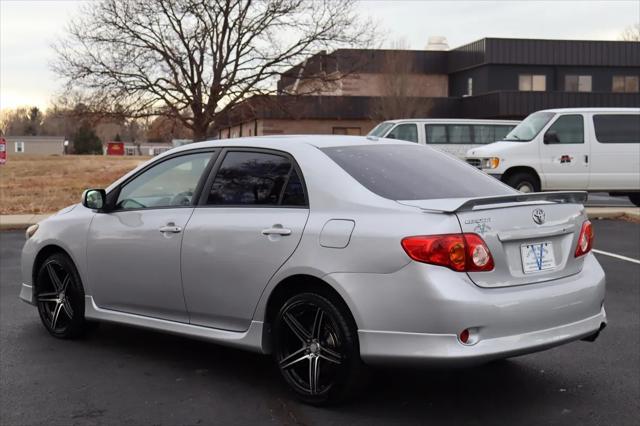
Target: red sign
[3, 150]
[115, 148]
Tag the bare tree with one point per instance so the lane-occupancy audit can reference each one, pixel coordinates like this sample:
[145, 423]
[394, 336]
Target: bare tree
[193, 59]
[398, 86]
[631, 33]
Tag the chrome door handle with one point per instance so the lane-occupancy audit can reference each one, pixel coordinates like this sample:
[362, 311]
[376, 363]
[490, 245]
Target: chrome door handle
[276, 230]
[170, 228]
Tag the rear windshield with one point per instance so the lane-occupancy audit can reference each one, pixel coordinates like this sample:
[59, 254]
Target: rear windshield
[414, 172]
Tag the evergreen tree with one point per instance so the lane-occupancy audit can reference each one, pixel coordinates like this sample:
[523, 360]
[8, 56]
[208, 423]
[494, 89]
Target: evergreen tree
[85, 141]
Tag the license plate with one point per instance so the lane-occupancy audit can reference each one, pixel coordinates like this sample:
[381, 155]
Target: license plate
[537, 257]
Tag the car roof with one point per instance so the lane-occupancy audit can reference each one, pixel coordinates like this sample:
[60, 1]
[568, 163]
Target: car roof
[285, 142]
[452, 120]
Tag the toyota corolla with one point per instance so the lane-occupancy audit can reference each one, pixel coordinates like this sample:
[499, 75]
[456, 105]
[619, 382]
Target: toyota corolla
[328, 252]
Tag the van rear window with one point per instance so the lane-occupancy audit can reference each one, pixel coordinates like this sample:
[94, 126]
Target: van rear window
[617, 128]
[414, 172]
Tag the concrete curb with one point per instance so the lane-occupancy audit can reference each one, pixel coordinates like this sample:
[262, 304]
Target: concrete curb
[20, 221]
[23, 221]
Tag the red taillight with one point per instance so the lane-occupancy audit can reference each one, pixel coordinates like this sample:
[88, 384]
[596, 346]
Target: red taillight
[585, 240]
[460, 252]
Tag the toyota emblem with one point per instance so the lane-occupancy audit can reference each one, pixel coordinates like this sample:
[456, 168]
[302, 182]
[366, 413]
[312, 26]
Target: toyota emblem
[539, 216]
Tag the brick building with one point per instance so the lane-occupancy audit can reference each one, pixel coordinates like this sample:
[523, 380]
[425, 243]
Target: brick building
[349, 90]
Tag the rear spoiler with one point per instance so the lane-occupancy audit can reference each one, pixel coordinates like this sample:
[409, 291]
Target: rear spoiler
[453, 205]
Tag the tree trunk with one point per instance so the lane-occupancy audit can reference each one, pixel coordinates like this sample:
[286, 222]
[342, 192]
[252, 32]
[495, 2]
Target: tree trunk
[200, 131]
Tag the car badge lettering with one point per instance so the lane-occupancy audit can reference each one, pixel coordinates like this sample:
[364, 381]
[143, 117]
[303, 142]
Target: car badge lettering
[539, 216]
[482, 225]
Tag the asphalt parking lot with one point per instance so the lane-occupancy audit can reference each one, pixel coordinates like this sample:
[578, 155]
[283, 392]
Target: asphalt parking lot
[120, 375]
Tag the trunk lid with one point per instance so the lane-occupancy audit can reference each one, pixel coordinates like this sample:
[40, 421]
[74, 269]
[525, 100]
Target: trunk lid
[532, 237]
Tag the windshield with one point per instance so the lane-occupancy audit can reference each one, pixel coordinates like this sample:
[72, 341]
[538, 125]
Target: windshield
[414, 172]
[530, 127]
[381, 129]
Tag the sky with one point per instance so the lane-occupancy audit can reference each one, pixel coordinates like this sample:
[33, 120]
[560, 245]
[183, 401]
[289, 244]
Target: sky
[27, 29]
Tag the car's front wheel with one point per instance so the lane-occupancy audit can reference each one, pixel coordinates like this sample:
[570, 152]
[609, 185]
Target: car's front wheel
[60, 297]
[523, 182]
[316, 348]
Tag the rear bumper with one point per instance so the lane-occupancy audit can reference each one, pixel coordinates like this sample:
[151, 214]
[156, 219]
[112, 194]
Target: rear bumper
[390, 347]
[417, 313]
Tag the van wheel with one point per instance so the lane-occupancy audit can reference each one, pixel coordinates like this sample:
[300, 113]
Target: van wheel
[316, 349]
[635, 198]
[523, 182]
[60, 297]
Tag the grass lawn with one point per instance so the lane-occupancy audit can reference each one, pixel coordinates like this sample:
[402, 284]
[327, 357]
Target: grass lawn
[45, 184]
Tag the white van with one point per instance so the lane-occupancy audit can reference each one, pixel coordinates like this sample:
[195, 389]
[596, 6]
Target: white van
[454, 136]
[593, 149]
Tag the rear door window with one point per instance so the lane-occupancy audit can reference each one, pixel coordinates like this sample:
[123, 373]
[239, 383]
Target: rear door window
[256, 179]
[459, 133]
[436, 133]
[406, 172]
[617, 128]
[404, 132]
[501, 132]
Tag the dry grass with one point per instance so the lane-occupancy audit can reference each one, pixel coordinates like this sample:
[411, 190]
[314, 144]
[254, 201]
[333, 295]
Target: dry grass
[44, 184]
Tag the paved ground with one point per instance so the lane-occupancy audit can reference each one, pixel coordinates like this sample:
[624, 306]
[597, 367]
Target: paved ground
[603, 199]
[120, 375]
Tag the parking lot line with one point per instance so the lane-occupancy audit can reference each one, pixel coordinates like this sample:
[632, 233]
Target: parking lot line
[617, 256]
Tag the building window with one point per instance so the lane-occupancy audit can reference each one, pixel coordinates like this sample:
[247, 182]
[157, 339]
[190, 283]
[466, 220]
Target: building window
[577, 83]
[532, 82]
[346, 131]
[469, 86]
[625, 84]
[19, 146]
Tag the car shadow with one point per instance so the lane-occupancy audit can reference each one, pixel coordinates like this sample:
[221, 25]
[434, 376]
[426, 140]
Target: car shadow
[499, 390]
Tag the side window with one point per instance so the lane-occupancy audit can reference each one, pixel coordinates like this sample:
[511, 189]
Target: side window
[293, 194]
[483, 134]
[501, 132]
[404, 132]
[167, 184]
[617, 128]
[256, 178]
[436, 133]
[567, 129]
[459, 133]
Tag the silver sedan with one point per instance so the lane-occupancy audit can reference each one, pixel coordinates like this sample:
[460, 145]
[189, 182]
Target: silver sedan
[329, 253]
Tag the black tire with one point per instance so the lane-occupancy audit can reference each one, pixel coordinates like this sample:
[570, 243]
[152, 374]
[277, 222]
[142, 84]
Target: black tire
[524, 182]
[60, 297]
[635, 199]
[313, 331]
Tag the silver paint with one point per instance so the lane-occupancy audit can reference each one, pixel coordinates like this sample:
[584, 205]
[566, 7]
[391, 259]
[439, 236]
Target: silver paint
[213, 278]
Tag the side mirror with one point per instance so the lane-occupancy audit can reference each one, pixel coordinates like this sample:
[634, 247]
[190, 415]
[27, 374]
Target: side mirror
[551, 137]
[94, 199]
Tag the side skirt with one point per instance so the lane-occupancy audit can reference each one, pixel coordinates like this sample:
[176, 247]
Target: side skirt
[251, 340]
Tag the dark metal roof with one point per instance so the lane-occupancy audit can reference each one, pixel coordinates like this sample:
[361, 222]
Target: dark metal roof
[545, 52]
[514, 104]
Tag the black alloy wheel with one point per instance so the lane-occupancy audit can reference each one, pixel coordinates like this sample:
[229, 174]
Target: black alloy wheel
[316, 349]
[60, 297]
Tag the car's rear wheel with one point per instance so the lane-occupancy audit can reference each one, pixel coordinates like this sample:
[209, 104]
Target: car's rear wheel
[60, 297]
[316, 349]
[523, 182]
